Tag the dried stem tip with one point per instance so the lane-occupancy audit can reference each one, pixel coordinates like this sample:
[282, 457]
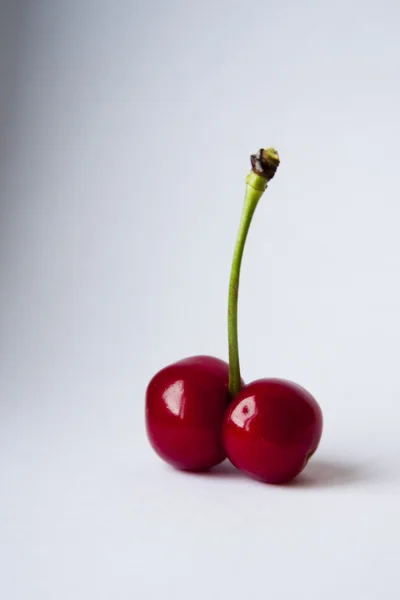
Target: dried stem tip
[265, 163]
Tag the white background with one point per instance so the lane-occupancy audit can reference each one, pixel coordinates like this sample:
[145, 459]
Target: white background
[126, 134]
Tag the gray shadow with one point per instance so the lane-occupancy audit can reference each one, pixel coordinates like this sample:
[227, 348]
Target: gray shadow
[223, 470]
[319, 473]
[328, 473]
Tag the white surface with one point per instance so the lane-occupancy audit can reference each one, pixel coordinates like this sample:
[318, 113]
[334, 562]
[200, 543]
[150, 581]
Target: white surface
[115, 261]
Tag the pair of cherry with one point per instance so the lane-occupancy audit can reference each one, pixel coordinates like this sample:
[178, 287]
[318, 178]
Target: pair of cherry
[199, 411]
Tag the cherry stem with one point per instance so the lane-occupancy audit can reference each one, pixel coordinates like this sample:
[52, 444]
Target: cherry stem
[264, 165]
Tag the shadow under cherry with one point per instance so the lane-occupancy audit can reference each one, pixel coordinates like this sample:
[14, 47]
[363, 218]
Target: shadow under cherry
[319, 473]
[327, 473]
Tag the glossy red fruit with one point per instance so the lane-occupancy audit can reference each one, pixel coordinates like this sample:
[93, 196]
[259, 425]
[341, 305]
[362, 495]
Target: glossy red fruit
[271, 429]
[185, 406]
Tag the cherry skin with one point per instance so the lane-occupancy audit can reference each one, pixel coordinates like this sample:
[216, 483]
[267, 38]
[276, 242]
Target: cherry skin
[185, 406]
[271, 429]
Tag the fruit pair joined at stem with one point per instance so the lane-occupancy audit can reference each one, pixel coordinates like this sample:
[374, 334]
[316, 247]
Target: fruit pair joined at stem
[198, 410]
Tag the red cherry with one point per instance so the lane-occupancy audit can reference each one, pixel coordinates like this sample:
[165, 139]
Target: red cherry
[271, 429]
[185, 406]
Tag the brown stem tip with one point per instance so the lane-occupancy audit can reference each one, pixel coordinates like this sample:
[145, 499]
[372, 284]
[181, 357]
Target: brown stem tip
[265, 163]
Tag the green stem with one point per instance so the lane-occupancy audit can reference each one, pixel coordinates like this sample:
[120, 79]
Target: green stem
[256, 184]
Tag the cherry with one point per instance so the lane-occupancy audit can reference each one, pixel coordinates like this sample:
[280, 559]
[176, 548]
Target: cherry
[197, 410]
[271, 429]
[185, 406]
